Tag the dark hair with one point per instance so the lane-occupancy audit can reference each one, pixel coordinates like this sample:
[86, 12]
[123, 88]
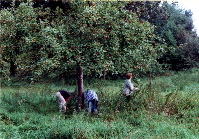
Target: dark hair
[128, 75]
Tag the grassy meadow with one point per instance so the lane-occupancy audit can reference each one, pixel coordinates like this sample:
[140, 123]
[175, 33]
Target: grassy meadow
[166, 108]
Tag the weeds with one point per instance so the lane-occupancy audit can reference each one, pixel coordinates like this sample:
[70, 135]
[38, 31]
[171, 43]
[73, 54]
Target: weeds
[167, 108]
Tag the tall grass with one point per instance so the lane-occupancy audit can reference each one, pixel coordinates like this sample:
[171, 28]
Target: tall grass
[167, 108]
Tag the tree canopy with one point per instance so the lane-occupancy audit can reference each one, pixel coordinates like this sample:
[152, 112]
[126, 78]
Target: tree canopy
[98, 36]
[55, 38]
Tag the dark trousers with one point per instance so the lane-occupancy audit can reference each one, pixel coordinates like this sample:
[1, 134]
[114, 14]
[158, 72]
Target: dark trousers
[128, 98]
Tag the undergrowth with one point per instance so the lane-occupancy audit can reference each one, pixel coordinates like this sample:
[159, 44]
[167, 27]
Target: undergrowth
[165, 108]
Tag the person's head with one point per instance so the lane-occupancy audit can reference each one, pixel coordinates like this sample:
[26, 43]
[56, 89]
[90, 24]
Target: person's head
[129, 75]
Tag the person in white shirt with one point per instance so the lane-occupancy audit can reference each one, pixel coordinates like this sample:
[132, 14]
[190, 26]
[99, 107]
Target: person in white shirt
[63, 97]
[128, 87]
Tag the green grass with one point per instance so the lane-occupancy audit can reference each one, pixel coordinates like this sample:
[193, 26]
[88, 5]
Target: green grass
[168, 108]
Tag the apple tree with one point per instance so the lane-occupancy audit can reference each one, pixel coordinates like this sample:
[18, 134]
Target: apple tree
[95, 37]
[19, 38]
[90, 37]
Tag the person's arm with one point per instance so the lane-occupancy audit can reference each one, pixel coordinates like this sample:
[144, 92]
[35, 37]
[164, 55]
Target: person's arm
[132, 87]
[86, 95]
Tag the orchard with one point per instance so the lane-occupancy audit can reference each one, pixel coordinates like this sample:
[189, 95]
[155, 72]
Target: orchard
[90, 38]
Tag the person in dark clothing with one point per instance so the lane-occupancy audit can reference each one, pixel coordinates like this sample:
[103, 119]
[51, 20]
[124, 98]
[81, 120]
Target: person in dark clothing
[63, 97]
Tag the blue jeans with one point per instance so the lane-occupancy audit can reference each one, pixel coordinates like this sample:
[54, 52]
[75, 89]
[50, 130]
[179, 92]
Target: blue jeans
[92, 105]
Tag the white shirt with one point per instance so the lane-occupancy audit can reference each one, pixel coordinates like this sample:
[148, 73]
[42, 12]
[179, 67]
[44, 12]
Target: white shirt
[128, 87]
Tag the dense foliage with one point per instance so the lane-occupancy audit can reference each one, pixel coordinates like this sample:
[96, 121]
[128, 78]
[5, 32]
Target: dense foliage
[175, 26]
[113, 37]
[99, 37]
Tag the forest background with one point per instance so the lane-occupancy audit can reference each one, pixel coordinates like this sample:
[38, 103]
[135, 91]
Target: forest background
[45, 42]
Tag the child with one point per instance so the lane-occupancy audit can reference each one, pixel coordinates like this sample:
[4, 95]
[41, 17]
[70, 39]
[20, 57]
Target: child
[128, 87]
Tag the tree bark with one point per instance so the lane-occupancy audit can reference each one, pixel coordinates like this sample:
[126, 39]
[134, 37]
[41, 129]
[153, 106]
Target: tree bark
[104, 75]
[12, 68]
[80, 88]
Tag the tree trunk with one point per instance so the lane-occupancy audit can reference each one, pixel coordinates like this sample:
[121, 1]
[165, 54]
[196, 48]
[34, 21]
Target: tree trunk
[80, 88]
[103, 74]
[12, 68]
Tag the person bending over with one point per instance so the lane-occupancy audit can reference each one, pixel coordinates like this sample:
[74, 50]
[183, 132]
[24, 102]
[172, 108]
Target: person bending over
[63, 98]
[92, 101]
